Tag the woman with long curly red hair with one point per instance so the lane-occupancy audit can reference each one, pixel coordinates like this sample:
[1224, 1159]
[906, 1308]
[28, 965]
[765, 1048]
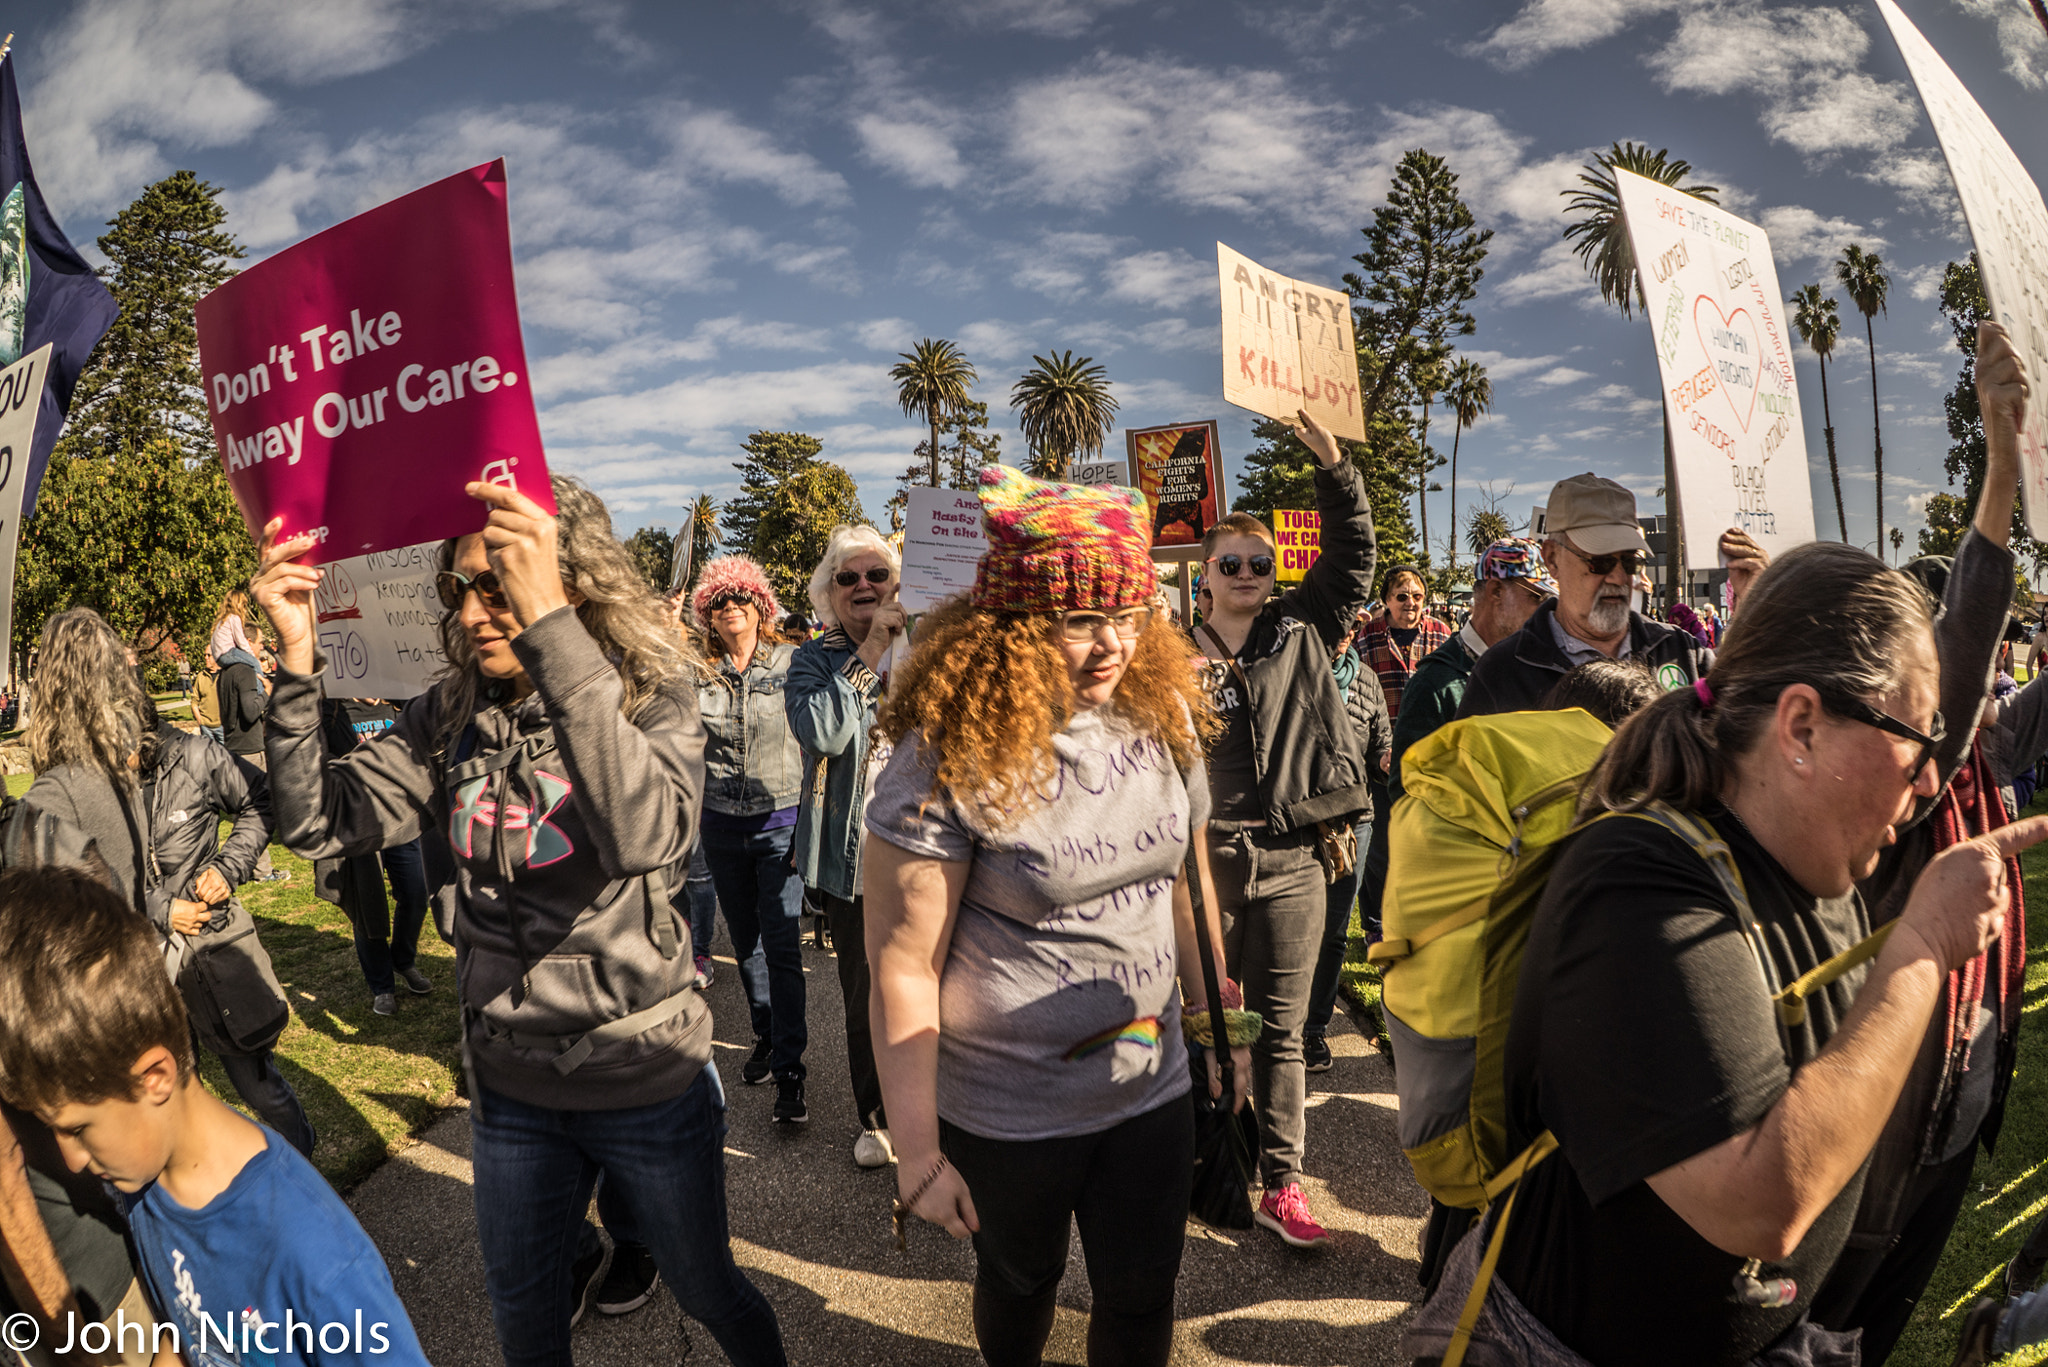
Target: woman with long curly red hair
[1028, 913]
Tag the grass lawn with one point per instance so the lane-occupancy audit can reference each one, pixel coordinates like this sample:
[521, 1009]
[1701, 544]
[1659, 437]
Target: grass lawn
[2009, 1192]
[368, 1082]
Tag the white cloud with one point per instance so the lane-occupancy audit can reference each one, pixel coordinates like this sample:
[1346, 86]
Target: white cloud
[699, 404]
[886, 334]
[922, 153]
[2021, 39]
[719, 145]
[1547, 26]
[1161, 280]
[1799, 234]
[1560, 375]
[1047, 18]
[1556, 273]
[1000, 340]
[1504, 367]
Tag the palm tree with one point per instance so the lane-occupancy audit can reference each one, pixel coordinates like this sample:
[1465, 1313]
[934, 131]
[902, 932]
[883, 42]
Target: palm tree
[1819, 324]
[932, 382]
[1468, 394]
[1862, 274]
[1599, 235]
[1898, 539]
[1065, 407]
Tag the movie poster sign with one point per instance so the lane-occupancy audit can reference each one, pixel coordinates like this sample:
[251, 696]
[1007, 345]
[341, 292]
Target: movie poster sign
[1179, 469]
[1288, 345]
[1717, 324]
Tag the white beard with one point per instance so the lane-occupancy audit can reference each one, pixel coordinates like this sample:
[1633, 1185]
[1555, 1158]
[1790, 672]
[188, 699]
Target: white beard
[1608, 617]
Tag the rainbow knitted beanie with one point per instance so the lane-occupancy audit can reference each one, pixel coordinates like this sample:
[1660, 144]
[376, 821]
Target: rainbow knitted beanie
[1061, 547]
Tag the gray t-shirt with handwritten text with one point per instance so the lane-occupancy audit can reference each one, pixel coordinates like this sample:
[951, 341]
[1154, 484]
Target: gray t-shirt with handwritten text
[1058, 1010]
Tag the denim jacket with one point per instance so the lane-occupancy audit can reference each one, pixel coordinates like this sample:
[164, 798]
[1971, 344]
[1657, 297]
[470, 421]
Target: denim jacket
[752, 763]
[832, 699]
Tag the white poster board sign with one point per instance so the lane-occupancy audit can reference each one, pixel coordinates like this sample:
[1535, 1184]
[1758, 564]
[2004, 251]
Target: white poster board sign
[21, 397]
[1097, 472]
[377, 619]
[1287, 345]
[942, 546]
[1717, 320]
[2009, 225]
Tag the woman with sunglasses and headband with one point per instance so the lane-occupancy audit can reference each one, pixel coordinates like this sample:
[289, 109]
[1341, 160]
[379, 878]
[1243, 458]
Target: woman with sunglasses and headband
[833, 693]
[752, 770]
[1711, 1147]
[1029, 912]
[561, 753]
[1286, 765]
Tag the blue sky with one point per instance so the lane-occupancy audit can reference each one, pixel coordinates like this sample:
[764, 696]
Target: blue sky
[730, 216]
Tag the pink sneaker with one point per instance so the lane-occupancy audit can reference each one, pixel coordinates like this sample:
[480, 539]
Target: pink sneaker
[1285, 1212]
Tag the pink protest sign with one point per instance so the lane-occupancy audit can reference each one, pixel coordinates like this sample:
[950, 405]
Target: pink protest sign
[360, 379]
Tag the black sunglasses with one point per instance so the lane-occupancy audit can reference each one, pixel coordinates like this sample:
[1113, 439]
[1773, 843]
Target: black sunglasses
[453, 587]
[1603, 565]
[846, 579]
[1229, 565]
[1857, 710]
[726, 600]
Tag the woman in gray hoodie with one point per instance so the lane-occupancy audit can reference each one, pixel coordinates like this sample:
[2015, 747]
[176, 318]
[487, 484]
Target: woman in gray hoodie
[562, 755]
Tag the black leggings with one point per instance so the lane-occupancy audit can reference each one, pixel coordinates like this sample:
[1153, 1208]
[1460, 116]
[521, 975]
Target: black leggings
[1127, 1186]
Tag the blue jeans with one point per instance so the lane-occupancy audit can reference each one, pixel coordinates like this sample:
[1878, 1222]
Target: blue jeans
[703, 908]
[382, 957]
[1322, 992]
[763, 900]
[664, 1164]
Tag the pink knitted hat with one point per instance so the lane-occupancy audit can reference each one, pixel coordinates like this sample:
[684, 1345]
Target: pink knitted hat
[731, 574]
[1058, 547]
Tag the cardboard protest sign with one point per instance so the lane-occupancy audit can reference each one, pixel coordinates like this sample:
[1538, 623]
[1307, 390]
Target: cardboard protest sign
[359, 380]
[1299, 537]
[377, 619]
[1179, 469]
[679, 558]
[1099, 472]
[21, 399]
[942, 546]
[1288, 345]
[1717, 322]
[2009, 225]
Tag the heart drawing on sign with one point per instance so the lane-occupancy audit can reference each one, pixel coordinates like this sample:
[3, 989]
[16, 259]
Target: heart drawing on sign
[1733, 350]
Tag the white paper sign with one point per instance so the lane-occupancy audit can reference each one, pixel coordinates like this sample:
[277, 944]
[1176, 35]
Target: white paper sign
[1717, 322]
[378, 622]
[1287, 345]
[1096, 472]
[2010, 226]
[942, 546]
[21, 397]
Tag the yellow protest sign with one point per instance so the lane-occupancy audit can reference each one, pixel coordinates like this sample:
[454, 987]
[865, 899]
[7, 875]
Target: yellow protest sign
[1298, 534]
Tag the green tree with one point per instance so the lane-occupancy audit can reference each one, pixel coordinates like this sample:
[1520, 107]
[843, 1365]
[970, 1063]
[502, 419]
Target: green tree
[1598, 233]
[152, 540]
[771, 459]
[653, 551]
[790, 536]
[1863, 276]
[1483, 527]
[973, 446]
[1468, 394]
[1280, 473]
[1819, 324]
[1963, 307]
[165, 252]
[1898, 539]
[705, 535]
[932, 382]
[1064, 405]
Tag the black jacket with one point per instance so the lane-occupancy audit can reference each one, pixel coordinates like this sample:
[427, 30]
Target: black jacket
[242, 701]
[1519, 671]
[1367, 704]
[1309, 757]
[192, 785]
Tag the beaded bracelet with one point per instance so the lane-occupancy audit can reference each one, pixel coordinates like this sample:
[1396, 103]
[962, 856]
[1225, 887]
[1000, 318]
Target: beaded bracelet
[900, 1210]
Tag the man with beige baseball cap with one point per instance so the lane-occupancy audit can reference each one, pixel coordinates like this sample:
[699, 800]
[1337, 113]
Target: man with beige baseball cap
[1594, 548]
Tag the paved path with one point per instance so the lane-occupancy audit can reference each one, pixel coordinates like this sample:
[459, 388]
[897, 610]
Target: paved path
[813, 1232]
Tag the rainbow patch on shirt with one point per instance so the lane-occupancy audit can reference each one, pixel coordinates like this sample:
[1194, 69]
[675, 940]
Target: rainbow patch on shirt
[1143, 1031]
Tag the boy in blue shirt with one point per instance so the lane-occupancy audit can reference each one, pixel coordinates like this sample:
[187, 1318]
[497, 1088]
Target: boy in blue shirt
[248, 1254]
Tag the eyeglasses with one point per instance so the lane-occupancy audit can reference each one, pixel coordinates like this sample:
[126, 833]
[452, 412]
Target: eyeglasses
[1855, 709]
[846, 579]
[454, 587]
[726, 600]
[1086, 626]
[1603, 565]
[1407, 597]
[1229, 565]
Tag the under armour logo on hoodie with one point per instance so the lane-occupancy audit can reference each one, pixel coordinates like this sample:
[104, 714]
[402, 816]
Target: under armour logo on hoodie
[545, 843]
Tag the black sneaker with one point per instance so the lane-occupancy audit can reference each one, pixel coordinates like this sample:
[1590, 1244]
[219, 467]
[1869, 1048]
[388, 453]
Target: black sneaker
[2023, 1273]
[630, 1282]
[756, 1068]
[1980, 1328]
[789, 1101]
[1315, 1054]
[583, 1282]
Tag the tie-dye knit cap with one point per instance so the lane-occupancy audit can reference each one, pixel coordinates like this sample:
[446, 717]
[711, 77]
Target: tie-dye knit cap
[1061, 547]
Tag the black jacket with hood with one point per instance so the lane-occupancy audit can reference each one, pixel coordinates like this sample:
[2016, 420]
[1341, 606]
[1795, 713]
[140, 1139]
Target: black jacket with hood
[1520, 670]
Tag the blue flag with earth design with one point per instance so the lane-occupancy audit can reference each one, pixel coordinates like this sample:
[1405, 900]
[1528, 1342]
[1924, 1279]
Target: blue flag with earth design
[47, 292]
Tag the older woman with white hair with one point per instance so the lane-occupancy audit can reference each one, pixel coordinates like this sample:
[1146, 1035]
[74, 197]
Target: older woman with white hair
[833, 693]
